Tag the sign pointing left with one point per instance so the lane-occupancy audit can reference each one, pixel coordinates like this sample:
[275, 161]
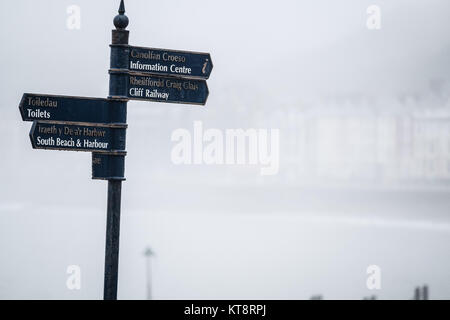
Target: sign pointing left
[73, 137]
[51, 108]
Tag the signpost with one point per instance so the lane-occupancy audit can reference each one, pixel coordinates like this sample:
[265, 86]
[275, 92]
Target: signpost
[99, 125]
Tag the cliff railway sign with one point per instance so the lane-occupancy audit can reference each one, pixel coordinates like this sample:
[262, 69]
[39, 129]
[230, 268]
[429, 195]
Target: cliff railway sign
[166, 89]
[98, 125]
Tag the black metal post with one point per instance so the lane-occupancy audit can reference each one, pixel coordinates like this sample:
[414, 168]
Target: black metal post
[112, 240]
[117, 92]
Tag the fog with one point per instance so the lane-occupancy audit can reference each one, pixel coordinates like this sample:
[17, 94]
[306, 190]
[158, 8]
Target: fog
[364, 158]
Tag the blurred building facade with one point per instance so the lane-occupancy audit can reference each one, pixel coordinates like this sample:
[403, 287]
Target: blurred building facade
[330, 140]
[352, 141]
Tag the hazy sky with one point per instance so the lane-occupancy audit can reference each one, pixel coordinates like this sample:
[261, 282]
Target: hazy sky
[215, 240]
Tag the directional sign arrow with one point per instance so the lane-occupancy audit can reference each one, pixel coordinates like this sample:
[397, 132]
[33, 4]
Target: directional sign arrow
[196, 65]
[43, 107]
[71, 137]
[167, 89]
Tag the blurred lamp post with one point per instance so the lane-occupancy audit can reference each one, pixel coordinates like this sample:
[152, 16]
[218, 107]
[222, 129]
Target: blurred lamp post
[421, 293]
[148, 253]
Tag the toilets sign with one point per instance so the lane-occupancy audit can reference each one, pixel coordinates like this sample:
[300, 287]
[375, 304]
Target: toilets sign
[48, 108]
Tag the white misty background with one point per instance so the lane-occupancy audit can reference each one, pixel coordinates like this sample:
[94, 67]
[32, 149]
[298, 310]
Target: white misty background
[350, 192]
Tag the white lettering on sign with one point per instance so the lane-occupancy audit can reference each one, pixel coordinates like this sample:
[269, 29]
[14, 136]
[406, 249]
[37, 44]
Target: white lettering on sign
[147, 67]
[159, 68]
[156, 94]
[65, 143]
[95, 144]
[45, 142]
[39, 114]
[137, 92]
[183, 69]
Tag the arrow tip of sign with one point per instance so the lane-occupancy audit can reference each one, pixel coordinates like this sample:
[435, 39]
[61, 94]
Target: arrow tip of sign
[207, 93]
[212, 65]
[21, 104]
[33, 128]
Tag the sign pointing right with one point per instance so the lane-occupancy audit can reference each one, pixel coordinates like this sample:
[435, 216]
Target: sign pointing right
[167, 89]
[186, 64]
